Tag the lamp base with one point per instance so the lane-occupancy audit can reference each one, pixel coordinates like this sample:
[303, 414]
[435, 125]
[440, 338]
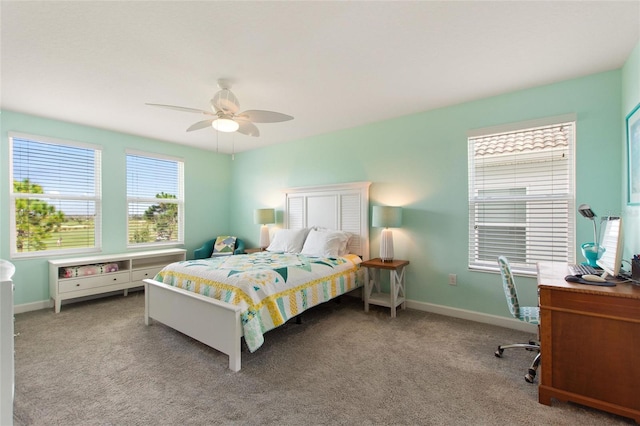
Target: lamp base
[592, 252]
[386, 245]
[264, 237]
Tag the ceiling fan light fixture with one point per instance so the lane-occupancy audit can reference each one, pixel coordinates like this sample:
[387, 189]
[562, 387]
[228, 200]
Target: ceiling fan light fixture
[225, 125]
[225, 115]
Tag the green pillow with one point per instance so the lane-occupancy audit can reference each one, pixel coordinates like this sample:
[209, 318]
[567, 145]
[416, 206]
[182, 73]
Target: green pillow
[224, 245]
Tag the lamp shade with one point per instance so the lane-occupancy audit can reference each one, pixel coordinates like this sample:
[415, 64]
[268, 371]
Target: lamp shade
[386, 217]
[264, 216]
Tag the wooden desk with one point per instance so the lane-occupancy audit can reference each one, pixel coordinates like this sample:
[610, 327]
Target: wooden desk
[590, 343]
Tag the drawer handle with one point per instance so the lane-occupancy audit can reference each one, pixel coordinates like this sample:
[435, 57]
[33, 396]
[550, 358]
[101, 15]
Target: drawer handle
[115, 279]
[78, 285]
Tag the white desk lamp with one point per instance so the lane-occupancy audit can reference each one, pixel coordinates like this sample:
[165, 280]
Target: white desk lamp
[264, 217]
[585, 211]
[386, 217]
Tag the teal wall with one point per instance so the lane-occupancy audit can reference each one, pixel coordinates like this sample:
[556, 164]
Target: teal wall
[417, 161]
[630, 98]
[207, 182]
[420, 162]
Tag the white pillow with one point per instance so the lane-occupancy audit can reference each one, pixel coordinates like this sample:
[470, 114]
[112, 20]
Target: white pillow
[325, 243]
[343, 247]
[288, 240]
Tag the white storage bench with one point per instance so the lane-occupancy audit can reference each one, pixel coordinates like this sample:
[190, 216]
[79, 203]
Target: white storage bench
[86, 276]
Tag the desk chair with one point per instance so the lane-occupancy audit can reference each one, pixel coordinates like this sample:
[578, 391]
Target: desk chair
[529, 314]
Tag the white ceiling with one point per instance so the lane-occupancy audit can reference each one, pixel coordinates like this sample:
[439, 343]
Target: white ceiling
[332, 65]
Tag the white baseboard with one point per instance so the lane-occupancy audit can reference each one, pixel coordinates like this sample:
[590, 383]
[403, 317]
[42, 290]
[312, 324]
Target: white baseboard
[473, 316]
[34, 306]
[48, 304]
[411, 304]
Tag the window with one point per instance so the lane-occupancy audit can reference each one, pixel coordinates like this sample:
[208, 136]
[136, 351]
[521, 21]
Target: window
[55, 196]
[155, 200]
[521, 195]
[506, 218]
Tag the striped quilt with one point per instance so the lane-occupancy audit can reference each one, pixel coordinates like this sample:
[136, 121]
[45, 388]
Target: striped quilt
[269, 287]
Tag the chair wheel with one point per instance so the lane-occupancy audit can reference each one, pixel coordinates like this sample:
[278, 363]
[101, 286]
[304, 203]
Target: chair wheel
[499, 352]
[530, 376]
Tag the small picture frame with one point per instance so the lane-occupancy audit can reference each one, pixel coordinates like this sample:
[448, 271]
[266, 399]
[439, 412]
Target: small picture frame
[633, 157]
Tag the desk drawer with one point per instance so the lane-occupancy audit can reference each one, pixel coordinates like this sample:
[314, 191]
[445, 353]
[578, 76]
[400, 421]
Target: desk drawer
[86, 283]
[595, 303]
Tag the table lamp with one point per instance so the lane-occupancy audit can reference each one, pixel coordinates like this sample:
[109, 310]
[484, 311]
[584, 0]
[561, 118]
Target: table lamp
[264, 217]
[585, 211]
[591, 251]
[386, 217]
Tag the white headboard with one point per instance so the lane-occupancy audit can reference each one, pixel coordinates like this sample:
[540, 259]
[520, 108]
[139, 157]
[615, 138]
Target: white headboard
[344, 207]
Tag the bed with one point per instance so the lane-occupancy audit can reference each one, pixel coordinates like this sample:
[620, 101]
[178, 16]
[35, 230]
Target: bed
[218, 301]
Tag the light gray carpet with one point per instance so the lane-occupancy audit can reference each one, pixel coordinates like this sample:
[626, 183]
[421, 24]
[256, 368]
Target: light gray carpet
[96, 363]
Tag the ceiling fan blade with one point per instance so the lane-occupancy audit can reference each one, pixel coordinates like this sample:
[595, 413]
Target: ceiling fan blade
[247, 128]
[261, 116]
[185, 109]
[200, 125]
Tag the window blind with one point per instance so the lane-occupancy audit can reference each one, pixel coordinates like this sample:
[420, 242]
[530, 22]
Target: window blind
[55, 196]
[521, 197]
[155, 200]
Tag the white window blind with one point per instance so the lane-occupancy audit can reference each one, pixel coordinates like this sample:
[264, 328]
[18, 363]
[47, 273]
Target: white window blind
[55, 196]
[521, 196]
[155, 200]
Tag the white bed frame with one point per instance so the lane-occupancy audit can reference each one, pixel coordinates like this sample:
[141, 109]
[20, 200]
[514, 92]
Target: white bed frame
[343, 206]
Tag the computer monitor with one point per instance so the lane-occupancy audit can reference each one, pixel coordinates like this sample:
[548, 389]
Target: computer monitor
[612, 243]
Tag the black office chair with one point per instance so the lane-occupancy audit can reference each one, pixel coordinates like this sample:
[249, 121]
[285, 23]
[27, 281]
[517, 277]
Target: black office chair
[529, 314]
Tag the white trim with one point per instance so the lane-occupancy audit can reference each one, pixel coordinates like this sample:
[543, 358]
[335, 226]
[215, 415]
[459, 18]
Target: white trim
[48, 304]
[96, 198]
[529, 124]
[33, 306]
[54, 141]
[473, 316]
[548, 201]
[179, 200]
[152, 155]
[411, 304]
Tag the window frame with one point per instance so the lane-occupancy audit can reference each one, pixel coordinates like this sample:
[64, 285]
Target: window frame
[96, 198]
[179, 200]
[530, 200]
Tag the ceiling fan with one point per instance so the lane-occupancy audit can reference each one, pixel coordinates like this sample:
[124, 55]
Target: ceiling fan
[225, 115]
